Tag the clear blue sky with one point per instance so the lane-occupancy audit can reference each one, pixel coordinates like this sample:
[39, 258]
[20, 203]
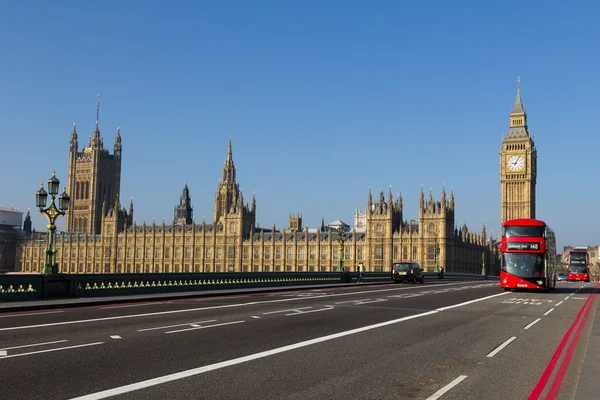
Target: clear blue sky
[324, 99]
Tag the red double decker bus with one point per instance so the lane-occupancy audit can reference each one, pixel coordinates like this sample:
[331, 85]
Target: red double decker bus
[578, 265]
[528, 255]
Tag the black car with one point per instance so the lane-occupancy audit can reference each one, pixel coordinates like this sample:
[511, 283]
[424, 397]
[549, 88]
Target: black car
[407, 272]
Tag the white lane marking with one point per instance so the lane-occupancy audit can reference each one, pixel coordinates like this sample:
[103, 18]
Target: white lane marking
[311, 311]
[579, 298]
[350, 301]
[3, 353]
[49, 350]
[255, 316]
[282, 311]
[131, 305]
[533, 323]
[449, 386]
[115, 337]
[221, 298]
[567, 298]
[559, 303]
[204, 327]
[174, 326]
[372, 301]
[195, 325]
[470, 302]
[223, 364]
[503, 345]
[30, 314]
[34, 344]
[549, 311]
[82, 321]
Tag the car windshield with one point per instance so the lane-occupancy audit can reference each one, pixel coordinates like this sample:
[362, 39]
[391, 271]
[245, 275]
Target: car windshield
[578, 269]
[562, 274]
[402, 267]
[523, 265]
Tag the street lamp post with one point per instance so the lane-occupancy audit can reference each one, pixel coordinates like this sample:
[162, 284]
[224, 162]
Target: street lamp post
[52, 213]
[341, 239]
[483, 263]
[436, 252]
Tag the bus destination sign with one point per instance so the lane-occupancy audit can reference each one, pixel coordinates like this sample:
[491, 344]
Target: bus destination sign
[522, 246]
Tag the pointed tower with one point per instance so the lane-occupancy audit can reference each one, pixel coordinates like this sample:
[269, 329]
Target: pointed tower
[93, 175]
[184, 211]
[230, 210]
[27, 224]
[518, 166]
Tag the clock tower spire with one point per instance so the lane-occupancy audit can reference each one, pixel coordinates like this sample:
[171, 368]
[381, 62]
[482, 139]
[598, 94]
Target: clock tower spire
[518, 166]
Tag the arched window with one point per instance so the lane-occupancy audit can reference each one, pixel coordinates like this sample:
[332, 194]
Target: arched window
[75, 224]
[232, 228]
[87, 190]
[431, 228]
[77, 194]
[379, 228]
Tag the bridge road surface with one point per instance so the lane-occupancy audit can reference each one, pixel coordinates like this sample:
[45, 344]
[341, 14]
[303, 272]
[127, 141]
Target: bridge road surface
[399, 341]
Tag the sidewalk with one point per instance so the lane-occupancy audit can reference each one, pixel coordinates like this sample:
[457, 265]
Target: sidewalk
[31, 305]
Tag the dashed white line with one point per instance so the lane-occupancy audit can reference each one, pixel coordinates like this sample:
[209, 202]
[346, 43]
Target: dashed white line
[131, 305]
[204, 327]
[282, 311]
[115, 337]
[255, 316]
[567, 298]
[549, 311]
[449, 386]
[224, 364]
[34, 344]
[30, 314]
[174, 326]
[311, 311]
[49, 350]
[533, 323]
[82, 321]
[3, 353]
[499, 348]
[559, 303]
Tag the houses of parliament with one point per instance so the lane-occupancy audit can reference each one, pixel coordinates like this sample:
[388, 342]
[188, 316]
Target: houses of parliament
[102, 237]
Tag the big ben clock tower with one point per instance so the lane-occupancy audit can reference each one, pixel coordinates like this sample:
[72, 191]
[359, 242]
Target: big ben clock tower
[518, 166]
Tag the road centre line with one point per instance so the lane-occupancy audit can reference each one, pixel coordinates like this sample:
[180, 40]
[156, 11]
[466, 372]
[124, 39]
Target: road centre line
[449, 386]
[204, 327]
[150, 314]
[224, 364]
[559, 303]
[503, 345]
[470, 302]
[2, 353]
[549, 311]
[174, 326]
[49, 350]
[533, 323]
[29, 314]
[132, 305]
[311, 311]
[34, 344]
[281, 311]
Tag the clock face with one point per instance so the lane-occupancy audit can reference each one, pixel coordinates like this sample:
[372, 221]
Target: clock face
[515, 163]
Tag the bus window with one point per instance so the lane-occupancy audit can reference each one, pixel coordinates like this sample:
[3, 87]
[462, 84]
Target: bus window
[523, 231]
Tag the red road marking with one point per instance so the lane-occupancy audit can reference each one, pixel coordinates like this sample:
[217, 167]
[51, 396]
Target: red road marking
[562, 370]
[541, 384]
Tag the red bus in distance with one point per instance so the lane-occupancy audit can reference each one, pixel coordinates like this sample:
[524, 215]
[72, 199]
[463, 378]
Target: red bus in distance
[578, 265]
[528, 250]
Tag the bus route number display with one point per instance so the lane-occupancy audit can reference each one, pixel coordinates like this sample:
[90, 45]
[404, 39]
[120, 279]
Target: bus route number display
[522, 246]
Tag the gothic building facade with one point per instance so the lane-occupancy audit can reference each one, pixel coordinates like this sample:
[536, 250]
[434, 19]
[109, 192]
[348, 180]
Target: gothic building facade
[518, 166]
[101, 236]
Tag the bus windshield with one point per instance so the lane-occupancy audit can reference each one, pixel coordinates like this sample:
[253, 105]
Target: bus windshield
[578, 269]
[523, 231]
[578, 258]
[523, 265]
